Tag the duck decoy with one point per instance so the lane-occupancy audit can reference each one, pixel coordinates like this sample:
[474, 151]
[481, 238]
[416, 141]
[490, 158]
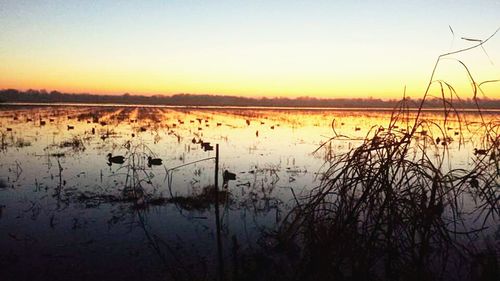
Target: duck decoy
[357, 129]
[71, 127]
[115, 159]
[248, 122]
[272, 127]
[226, 177]
[154, 161]
[9, 129]
[206, 146]
[219, 124]
[480, 151]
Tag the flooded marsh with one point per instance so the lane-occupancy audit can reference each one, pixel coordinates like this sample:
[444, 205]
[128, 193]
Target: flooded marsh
[127, 192]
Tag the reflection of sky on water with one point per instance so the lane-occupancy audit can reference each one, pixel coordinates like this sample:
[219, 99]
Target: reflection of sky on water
[269, 150]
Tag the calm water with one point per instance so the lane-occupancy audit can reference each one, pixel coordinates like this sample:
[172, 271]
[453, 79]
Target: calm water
[62, 207]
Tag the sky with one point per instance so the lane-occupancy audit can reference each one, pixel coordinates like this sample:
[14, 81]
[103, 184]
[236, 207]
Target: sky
[333, 49]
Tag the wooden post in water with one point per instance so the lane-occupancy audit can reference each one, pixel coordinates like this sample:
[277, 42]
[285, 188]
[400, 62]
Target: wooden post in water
[217, 215]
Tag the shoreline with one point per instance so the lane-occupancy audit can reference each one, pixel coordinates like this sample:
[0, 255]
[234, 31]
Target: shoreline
[249, 107]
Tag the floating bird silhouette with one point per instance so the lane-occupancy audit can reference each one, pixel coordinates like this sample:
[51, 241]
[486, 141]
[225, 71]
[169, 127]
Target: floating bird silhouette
[70, 127]
[226, 177]
[154, 161]
[115, 159]
[206, 146]
[480, 151]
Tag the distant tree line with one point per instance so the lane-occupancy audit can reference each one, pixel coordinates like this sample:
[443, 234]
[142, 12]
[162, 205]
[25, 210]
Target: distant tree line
[43, 96]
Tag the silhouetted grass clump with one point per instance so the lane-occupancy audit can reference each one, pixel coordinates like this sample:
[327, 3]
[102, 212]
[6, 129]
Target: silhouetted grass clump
[388, 209]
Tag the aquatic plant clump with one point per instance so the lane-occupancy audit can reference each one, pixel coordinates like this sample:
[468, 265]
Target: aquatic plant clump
[389, 210]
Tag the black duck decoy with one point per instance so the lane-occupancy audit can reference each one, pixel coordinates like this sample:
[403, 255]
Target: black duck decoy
[206, 146]
[154, 161]
[480, 151]
[115, 159]
[226, 177]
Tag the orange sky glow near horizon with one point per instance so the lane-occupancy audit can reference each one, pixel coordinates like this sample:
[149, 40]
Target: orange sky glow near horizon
[291, 49]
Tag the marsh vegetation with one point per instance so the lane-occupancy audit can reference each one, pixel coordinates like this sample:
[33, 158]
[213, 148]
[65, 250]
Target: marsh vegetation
[128, 192]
